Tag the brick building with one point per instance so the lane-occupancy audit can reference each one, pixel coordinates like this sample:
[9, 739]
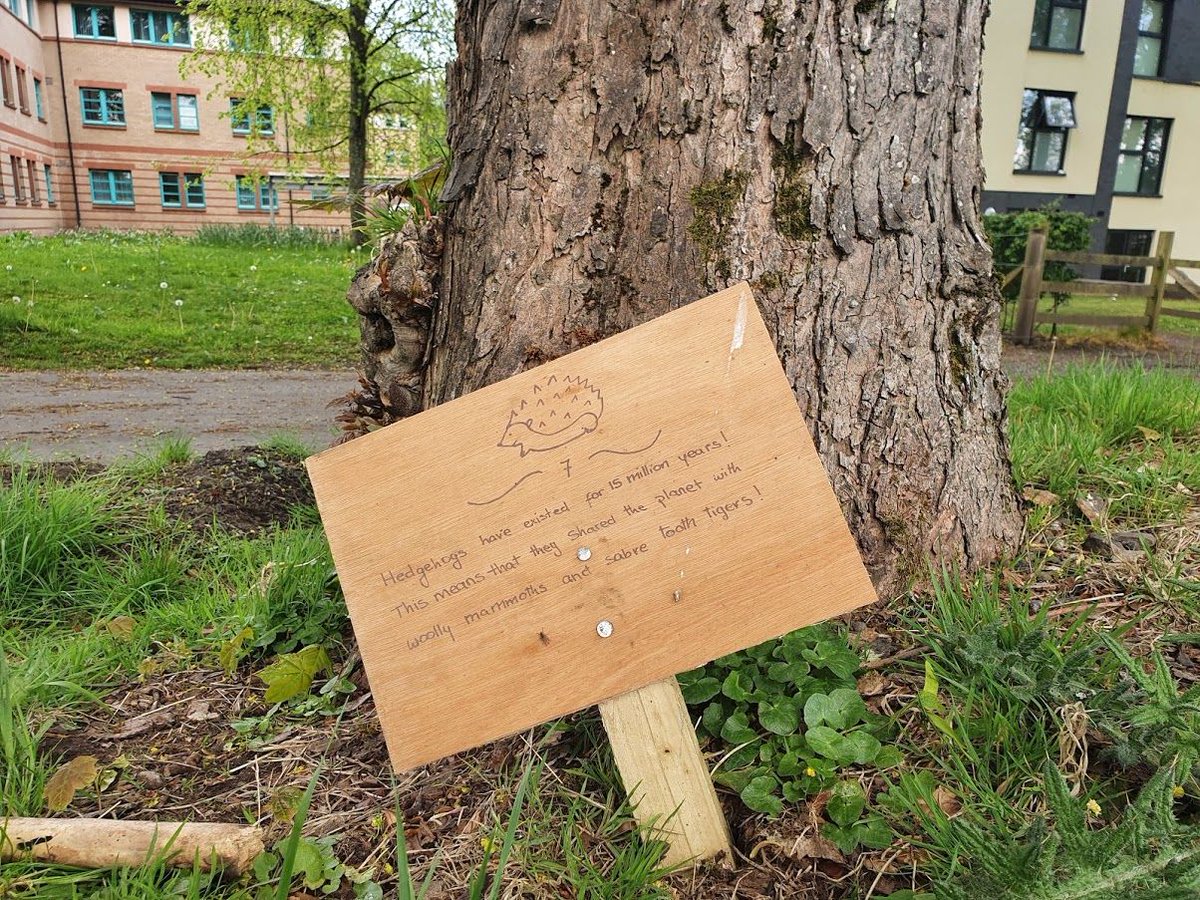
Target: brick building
[98, 129]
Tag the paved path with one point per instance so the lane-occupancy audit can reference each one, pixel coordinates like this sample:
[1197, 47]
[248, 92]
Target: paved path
[106, 415]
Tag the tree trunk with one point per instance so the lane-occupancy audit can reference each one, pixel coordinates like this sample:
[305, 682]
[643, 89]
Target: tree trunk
[613, 159]
[358, 40]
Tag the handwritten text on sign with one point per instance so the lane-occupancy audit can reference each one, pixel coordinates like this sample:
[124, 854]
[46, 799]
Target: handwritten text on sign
[606, 520]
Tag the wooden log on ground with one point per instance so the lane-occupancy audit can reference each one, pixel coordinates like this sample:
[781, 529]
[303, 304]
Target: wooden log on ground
[102, 843]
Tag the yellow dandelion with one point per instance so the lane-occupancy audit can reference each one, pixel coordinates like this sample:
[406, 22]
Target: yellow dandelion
[83, 268]
[487, 844]
[810, 772]
[1093, 807]
[1177, 791]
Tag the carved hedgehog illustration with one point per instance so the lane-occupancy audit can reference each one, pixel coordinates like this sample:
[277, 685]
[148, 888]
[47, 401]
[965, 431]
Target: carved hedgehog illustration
[558, 411]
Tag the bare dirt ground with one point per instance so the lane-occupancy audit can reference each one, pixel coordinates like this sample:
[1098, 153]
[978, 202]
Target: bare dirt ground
[106, 415]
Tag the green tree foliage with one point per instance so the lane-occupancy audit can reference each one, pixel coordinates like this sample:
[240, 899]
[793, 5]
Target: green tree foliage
[1008, 233]
[353, 85]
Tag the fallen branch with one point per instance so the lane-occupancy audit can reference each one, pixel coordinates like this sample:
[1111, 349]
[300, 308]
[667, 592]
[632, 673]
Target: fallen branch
[101, 843]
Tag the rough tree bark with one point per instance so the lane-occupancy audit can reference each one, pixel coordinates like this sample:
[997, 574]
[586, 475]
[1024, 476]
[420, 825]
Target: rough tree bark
[613, 159]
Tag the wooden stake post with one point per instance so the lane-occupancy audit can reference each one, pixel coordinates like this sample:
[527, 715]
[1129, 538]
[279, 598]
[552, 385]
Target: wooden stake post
[579, 534]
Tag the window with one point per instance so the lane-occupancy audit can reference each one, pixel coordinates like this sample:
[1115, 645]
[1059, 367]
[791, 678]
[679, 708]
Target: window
[162, 110]
[39, 103]
[6, 87]
[321, 192]
[168, 187]
[194, 188]
[49, 173]
[189, 112]
[34, 196]
[102, 106]
[167, 110]
[15, 6]
[111, 187]
[22, 90]
[181, 190]
[1046, 116]
[1152, 31]
[256, 196]
[18, 190]
[1057, 24]
[264, 118]
[160, 27]
[1126, 243]
[95, 22]
[1143, 152]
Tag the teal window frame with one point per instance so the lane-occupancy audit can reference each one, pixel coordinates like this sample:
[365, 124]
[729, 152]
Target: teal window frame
[39, 104]
[246, 195]
[108, 104]
[194, 101]
[168, 184]
[265, 198]
[15, 6]
[116, 187]
[93, 17]
[48, 173]
[161, 27]
[162, 110]
[181, 190]
[193, 190]
[264, 118]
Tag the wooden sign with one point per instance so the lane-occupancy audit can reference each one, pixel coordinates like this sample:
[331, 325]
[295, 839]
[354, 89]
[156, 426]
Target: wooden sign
[604, 521]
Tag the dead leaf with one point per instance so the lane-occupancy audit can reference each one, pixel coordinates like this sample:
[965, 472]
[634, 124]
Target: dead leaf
[1149, 433]
[61, 787]
[812, 846]
[121, 626]
[946, 801]
[1039, 497]
[871, 684]
[1094, 509]
[198, 711]
[1016, 579]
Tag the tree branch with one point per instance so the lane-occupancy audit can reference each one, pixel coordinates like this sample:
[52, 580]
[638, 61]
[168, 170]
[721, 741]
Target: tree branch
[391, 79]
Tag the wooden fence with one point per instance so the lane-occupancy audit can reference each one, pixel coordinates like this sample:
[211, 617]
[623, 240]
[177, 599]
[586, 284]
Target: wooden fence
[1162, 266]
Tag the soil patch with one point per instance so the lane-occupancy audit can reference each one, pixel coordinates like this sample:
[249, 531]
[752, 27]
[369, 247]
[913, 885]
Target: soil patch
[246, 490]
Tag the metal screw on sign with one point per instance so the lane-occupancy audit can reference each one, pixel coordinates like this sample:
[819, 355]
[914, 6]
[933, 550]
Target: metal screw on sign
[584, 554]
[604, 628]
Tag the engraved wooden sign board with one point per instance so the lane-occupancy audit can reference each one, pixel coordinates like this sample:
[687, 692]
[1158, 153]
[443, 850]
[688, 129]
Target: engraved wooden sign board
[659, 487]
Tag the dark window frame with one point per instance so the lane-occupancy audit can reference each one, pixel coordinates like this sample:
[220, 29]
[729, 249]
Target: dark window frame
[1160, 36]
[1041, 41]
[1144, 189]
[1035, 113]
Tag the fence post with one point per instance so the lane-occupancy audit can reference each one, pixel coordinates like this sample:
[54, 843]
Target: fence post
[1162, 253]
[1031, 284]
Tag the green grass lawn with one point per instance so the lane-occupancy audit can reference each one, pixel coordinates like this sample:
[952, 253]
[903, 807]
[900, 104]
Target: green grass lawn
[1078, 305]
[950, 753]
[114, 300]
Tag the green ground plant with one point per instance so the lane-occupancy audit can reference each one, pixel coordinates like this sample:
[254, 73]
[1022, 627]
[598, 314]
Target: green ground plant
[792, 718]
[226, 298]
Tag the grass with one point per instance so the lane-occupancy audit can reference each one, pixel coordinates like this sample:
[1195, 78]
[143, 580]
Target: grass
[1080, 305]
[99, 588]
[226, 298]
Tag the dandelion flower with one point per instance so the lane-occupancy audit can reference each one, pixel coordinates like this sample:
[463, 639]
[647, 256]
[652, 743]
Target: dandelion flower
[8, 268]
[179, 302]
[254, 268]
[83, 268]
[810, 772]
[16, 299]
[163, 285]
[1177, 791]
[1093, 807]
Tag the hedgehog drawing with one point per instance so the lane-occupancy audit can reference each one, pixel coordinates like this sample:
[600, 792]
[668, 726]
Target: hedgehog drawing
[557, 411]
